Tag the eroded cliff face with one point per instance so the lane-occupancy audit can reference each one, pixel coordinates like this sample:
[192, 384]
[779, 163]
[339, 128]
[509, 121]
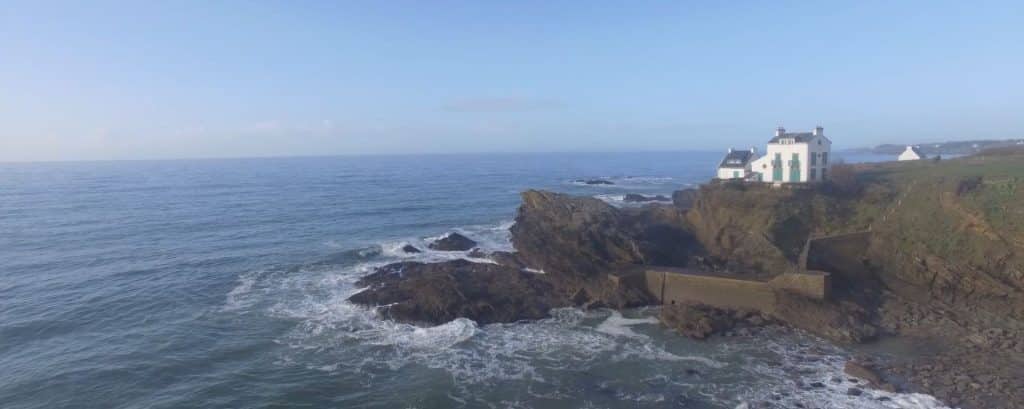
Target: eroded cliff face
[585, 237]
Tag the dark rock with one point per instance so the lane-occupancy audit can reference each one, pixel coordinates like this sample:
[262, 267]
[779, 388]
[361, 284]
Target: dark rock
[593, 181]
[696, 321]
[440, 292]
[508, 259]
[638, 198]
[477, 253]
[817, 385]
[838, 322]
[865, 371]
[453, 242]
[854, 392]
[683, 199]
[409, 248]
[585, 237]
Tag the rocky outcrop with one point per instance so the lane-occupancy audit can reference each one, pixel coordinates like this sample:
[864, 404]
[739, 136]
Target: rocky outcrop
[702, 321]
[583, 237]
[843, 322]
[436, 293]
[410, 249]
[452, 242]
[638, 198]
[683, 199]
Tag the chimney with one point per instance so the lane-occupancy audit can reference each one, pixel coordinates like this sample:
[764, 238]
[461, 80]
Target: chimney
[780, 130]
[819, 131]
[753, 150]
[730, 150]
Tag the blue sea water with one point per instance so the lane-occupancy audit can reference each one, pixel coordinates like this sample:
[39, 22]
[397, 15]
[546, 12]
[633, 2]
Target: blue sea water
[222, 284]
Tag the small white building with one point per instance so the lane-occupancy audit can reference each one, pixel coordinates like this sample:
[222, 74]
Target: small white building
[795, 157]
[736, 164]
[912, 153]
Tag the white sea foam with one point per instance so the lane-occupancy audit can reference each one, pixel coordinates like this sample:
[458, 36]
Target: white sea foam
[239, 296]
[809, 361]
[617, 325]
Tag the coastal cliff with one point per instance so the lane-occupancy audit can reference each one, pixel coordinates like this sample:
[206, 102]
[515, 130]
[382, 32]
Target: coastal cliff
[929, 252]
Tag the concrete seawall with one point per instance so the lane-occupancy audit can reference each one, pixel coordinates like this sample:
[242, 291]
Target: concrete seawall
[681, 286]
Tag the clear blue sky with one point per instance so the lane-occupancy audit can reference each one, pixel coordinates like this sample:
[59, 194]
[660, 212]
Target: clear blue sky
[138, 79]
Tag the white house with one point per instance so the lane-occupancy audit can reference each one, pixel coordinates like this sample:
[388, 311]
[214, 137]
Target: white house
[736, 164]
[795, 157]
[912, 153]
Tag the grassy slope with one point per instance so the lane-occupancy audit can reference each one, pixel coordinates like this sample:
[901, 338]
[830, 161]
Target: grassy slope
[951, 230]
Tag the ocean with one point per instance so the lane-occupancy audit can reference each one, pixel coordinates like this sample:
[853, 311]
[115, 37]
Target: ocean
[223, 284]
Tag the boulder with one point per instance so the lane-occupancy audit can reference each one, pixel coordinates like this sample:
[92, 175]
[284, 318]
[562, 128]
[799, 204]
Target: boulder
[452, 242]
[409, 248]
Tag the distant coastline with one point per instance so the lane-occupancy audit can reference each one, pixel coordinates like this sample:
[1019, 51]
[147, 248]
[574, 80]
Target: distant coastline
[941, 148]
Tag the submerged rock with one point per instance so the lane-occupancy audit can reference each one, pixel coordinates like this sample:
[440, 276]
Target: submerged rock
[452, 242]
[594, 181]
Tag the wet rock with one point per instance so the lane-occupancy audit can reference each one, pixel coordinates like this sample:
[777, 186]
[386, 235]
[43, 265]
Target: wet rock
[594, 181]
[863, 370]
[452, 242]
[409, 248]
[477, 253]
[696, 321]
[507, 258]
[436, 293]
[638, 198]
[854, 392]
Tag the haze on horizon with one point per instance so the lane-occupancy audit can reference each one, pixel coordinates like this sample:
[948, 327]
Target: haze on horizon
[144, 80]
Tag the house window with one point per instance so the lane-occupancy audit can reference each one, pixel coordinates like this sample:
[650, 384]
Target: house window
[823, 170]
[814, 172]
[735, 174]
[794, 168]
[824, 160]
[814, 159]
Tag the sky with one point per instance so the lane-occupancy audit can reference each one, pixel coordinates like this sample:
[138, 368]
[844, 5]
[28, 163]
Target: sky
[190, 79]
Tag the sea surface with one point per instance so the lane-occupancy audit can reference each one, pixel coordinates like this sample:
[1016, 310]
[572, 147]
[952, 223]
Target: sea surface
[223, 284]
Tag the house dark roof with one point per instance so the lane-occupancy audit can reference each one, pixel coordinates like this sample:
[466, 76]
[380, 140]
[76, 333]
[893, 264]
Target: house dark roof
[800, 137]
[736, 159]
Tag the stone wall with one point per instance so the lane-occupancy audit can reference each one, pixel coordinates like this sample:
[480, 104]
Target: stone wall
[680, 286]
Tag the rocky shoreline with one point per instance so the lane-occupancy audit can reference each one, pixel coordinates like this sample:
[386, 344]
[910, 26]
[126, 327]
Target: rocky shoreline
[967, 304]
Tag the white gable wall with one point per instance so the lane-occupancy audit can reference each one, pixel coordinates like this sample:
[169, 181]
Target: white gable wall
[909, 154]
[732, 173]
[780, 157]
